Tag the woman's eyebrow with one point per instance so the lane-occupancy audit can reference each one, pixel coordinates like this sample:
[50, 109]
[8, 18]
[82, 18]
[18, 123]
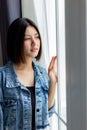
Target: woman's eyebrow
[30, 35]
[27, 35]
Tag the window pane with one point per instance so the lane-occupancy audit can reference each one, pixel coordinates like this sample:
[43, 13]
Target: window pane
[54, 122]
[61, 60]
[62, 126]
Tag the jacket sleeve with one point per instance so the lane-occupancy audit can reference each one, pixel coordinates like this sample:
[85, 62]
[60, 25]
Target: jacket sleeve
[1, 102]
[47, 83]
[51, 110]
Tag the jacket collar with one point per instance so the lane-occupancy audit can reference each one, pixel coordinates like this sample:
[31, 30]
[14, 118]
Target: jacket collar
[12, 79]
[11, 76]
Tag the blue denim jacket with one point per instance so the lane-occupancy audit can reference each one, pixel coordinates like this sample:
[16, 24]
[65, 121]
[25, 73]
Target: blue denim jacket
[15, 100]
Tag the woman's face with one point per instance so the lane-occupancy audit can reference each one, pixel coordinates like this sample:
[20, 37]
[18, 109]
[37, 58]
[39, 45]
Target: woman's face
[31, 42]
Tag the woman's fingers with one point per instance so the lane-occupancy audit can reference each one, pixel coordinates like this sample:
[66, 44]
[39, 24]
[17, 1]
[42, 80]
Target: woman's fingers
[55, 63]
[51, 63]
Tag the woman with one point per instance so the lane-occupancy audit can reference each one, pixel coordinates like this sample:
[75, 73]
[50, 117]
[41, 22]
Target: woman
[26, 90]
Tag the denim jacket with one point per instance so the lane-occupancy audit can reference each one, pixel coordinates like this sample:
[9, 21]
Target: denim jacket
[15, 100]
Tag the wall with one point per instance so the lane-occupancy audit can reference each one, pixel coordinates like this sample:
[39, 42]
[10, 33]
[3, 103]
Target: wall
[28, 9]
[75, 11]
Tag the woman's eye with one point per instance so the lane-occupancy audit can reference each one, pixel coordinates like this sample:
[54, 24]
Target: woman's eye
[37, 37]
[27, 38]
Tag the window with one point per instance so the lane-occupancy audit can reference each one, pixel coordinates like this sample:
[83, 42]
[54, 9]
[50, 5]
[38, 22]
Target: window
[61, 120]
[62, 62]
[50, 17]
[60, 23]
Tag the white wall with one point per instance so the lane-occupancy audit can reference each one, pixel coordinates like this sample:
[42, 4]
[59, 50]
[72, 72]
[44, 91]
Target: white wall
[28, 9]
[76, 64]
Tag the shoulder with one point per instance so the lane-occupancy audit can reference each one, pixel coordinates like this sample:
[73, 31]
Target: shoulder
[2, 73]
[42, 69]
[5, 70]
[2, 70]
[43, 75]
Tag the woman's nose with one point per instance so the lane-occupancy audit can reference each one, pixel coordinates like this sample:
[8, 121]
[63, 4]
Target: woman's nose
[33, 41]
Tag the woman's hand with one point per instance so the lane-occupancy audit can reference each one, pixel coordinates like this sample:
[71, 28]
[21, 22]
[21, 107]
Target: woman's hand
[52, 73]
[52, 70]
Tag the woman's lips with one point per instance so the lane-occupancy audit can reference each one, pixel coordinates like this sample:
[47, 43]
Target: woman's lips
[34, 49]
